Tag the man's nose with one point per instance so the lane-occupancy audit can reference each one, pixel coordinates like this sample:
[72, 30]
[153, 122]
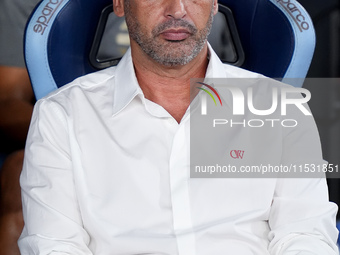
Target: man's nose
[175, 9]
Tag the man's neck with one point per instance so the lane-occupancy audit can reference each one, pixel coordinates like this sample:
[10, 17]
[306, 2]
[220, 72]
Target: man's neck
[169, 86]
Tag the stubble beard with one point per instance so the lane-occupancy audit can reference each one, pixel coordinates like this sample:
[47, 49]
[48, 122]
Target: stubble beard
[169, 53]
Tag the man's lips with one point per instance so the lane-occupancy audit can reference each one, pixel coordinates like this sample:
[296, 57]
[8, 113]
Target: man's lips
[175, 34]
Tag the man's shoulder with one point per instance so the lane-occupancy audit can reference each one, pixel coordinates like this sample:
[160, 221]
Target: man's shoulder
[250, 84]
[252, 79]
[238, 72]
[97, 81]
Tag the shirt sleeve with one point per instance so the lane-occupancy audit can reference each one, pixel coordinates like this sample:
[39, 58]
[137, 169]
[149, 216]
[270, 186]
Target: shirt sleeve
[302, 220]
[53, 223]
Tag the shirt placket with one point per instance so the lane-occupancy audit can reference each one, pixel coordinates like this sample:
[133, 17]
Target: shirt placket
[179, 186]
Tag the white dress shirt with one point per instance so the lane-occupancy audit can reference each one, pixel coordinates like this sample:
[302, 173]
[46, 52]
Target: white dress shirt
[106, 172]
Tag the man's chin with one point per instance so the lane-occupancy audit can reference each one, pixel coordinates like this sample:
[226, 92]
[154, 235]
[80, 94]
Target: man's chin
[172, 52]
[173, 60]
[179, 48]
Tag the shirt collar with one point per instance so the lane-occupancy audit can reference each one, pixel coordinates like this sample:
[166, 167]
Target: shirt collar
[126, 84]
[215, 67]
[127, 87]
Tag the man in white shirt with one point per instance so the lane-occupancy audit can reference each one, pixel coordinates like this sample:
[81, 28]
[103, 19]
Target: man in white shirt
[107, 159]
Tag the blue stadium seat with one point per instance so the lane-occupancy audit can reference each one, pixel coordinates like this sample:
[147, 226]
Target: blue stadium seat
[272, 37]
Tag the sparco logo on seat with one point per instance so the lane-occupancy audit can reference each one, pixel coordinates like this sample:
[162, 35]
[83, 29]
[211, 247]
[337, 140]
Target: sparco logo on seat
[295, 13]
[46, 15]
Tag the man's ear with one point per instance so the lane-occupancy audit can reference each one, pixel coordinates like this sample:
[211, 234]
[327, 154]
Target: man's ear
[118, 7]
[215, 6]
